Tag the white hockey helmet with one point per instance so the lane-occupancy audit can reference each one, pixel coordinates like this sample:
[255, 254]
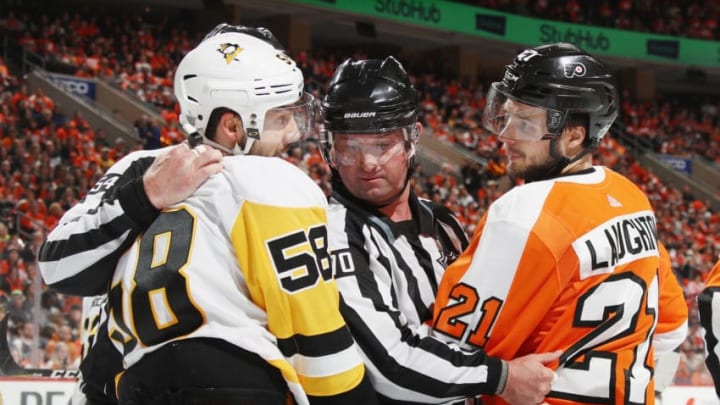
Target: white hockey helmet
[245, 70]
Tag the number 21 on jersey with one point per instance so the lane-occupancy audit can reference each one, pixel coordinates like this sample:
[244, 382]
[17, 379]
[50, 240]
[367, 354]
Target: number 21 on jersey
[615, 310]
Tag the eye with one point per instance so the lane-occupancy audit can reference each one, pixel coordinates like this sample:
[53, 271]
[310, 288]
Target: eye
[385, 145]
[281, 121]
[278, 119]
[352, 147]
[501, 121]
[526, 126]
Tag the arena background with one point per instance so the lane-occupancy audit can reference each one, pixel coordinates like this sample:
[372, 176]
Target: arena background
[98, 83]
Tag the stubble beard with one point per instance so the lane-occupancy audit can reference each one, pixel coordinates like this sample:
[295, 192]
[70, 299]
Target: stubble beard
[536, 172]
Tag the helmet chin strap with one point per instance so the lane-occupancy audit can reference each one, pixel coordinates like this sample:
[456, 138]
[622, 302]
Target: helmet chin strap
[562, 160]
[339, 187]
[251, 135]
[195, 138]
[396, 195]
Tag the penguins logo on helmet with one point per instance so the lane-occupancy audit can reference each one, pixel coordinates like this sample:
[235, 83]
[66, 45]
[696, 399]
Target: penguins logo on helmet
[229, 51]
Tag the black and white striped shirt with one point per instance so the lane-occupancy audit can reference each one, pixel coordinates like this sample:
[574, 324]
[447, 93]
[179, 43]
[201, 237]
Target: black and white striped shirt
[79, 257]
[387, 273]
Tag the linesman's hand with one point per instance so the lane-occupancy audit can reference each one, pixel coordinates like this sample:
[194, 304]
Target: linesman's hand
[528, 379]
[177, 173]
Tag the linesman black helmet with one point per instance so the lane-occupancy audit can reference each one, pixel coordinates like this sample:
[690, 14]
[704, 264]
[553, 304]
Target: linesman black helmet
[562, 79]
[372, 98]
[369, 96]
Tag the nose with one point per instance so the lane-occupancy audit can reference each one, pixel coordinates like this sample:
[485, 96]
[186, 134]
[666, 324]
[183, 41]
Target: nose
[368, 160]
[505, 136]
[292, 133]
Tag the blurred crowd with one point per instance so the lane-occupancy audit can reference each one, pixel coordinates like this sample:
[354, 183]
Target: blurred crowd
[49, 159]
[691, 19]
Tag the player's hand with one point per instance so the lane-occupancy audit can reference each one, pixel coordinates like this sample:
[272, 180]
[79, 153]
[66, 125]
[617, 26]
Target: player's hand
[177, 173]
[528, 379]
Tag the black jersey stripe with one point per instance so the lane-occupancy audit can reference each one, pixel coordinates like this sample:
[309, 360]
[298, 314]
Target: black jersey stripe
[317, 345]
[409, 378]
[78, 243]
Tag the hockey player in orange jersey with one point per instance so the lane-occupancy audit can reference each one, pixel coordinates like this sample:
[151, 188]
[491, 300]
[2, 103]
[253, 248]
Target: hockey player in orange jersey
[709, 309]
[569, 260]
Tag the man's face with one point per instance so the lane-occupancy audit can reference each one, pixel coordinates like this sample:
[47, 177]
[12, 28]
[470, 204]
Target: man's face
[285, 125]
[527, 153]
[279, 130]
[373, 167]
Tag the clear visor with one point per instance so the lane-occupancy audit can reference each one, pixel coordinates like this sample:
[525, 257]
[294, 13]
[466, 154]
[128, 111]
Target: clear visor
[355, 148]
[291, 123]
[511, 119]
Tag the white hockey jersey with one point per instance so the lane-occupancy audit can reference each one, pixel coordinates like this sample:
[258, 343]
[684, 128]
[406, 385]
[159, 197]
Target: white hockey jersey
[243, 259]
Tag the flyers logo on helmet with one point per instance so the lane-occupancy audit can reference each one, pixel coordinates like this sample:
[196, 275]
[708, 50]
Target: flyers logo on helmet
[229, 51]
[574, 69]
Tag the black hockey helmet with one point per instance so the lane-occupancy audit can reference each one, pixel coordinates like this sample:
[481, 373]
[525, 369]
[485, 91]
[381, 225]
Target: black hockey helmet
[562, 79]
[372, 97]
[369, 96]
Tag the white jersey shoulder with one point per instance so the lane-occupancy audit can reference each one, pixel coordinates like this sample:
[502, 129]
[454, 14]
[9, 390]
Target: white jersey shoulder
[272, 181]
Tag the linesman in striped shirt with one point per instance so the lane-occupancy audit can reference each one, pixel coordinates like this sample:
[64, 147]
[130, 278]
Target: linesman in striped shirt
[389, 248]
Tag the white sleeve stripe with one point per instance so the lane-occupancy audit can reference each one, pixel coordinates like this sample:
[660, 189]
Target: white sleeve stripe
[327, 365]
[668, 341]
[73, 265]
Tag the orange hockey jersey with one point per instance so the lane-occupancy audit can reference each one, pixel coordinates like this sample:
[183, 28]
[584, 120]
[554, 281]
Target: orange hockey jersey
[572, 264]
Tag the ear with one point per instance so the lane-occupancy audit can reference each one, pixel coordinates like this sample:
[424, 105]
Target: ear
[418, 130]
[414, 139]
[228, 121]
[231, 126]
[575, 136]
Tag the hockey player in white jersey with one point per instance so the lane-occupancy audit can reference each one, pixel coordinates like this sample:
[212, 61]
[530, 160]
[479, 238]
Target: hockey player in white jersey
[226, 296]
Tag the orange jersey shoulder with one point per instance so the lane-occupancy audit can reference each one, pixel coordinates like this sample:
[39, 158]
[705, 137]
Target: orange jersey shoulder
[713, 279]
